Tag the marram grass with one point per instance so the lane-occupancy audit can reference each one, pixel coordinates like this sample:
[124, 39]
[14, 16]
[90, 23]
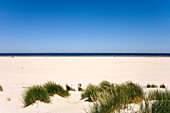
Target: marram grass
[53, 88]
[162, 86]
[160, 102]
[109, 97]
[79, 87]
[35, 93]
[43, 93]
[90, 92]
[148, 86]
[154, 86]
[69, 88]
[8, 99]
[1, 89]
[151, 86]
[159, 95]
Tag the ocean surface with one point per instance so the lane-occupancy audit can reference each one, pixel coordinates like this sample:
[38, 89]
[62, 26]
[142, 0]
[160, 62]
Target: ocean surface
[87, 54]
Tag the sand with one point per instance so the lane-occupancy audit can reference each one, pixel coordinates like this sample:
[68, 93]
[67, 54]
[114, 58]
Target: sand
[19, 72]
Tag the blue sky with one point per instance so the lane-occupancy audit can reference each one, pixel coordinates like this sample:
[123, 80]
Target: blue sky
[85, 26]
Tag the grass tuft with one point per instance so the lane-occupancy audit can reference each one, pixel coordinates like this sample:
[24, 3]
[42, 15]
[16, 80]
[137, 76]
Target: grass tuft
[8, 99]
[162, 86]
[154, 86]
[43, 92]
[35, 93]
[161, 103]
[79, 87]
[159, 95]
[53, 88]
[69, 88]
[151, 86]
[148, 86]
[90, 92]
[108, 97]
[1, 89]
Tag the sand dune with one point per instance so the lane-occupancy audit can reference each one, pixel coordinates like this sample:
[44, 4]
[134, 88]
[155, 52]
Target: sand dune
[19, 72]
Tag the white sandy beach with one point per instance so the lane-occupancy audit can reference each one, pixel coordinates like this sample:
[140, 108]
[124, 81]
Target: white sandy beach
[19, 72]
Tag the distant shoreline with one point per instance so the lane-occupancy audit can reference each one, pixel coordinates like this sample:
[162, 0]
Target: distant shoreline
[89, 54]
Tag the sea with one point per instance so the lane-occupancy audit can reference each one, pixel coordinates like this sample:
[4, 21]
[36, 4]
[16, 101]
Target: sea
[87, 54]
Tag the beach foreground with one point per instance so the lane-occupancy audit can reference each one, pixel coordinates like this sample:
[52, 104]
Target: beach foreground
[20, 72]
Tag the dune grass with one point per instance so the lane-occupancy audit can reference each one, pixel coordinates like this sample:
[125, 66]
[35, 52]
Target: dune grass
[35, 93]
[162, 86]
[1, 89]
[109, 97]
[154, 86]
[160, 102]
[151, 86]
[53, 88]
[148, 86]
[79, 87]
[106, 103]
[43, 92]
[69, 88]
[159, 95]
[90, 92]
[8, 99]
[161, 106]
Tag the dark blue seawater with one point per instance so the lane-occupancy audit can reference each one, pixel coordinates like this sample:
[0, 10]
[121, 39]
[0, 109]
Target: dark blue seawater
[87, 54]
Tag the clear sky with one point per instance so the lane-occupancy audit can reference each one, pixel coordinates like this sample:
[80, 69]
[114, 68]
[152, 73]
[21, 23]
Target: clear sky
[85, 26]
